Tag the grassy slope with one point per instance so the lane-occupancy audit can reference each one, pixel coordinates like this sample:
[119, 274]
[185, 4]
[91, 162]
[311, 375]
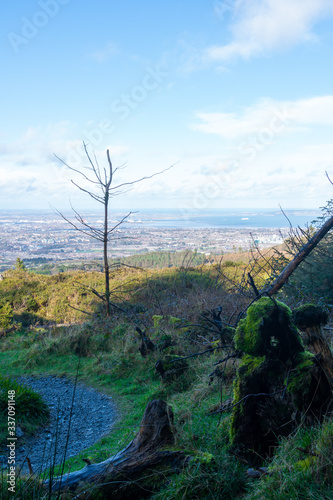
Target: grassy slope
[107, 351]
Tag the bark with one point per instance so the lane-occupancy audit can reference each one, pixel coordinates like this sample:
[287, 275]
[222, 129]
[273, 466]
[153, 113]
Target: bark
[318, 345]
[130, 473]
[147, 345]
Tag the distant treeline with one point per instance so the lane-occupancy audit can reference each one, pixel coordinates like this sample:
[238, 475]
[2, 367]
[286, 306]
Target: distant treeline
[160, 260]
[149, 260]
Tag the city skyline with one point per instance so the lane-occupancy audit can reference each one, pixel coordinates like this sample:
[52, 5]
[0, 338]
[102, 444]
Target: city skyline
[236, 95]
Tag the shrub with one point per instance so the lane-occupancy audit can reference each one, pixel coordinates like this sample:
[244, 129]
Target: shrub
[6, 316]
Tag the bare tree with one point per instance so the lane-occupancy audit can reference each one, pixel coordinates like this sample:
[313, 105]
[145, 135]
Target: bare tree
[101, 181]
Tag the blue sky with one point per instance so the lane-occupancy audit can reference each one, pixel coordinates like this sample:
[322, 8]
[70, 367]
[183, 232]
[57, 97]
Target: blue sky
[236, 93]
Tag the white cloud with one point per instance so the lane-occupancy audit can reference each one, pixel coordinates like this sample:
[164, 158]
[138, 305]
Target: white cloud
[31, 175]
[261, 26]
[268, 118]
[280, 155]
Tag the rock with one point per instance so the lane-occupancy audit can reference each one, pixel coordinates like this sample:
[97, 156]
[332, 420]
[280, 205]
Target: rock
[19, 432]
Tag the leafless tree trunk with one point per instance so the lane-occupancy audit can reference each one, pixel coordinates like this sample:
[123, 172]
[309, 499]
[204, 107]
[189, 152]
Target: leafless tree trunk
[296, 261]
[103, 189]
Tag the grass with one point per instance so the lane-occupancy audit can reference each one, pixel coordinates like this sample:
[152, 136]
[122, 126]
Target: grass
[114, 365]
[26, 407]
[107, 350]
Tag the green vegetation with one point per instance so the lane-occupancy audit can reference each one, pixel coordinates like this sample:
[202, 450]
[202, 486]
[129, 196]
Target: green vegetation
[267, 328]
[6, 316]
[169, 305]
[30, 410]
[312, 281]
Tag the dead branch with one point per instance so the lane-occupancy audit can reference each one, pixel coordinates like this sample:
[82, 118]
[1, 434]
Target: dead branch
[298, 259]
[328, 177]
[201, 353]
[120, 475]
[252, 283]
[249, 396]
[80, 310]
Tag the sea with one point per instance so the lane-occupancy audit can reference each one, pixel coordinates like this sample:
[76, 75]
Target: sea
[179, 219]
[224, 218]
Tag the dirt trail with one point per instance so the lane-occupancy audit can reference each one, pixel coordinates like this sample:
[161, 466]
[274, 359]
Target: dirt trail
[93, 415]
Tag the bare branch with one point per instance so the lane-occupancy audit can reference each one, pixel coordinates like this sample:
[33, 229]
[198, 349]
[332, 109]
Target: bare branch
[75, 170]
[94, 196]
[110, 169]
[80, 310]
[76, 227]
[199, 353]
[246, 397]
[143, 178]
[230, 356]
[93, 168]
[328, 177]
[252, 283]
[290, 224]
[120, 222]
[79, 218]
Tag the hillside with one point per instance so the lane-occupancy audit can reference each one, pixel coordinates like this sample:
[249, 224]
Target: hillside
[177, 309]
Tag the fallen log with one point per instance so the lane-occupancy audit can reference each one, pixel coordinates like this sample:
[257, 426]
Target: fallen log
[132, 472]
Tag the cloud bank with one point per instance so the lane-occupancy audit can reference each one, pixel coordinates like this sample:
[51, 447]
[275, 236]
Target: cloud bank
[262, 26]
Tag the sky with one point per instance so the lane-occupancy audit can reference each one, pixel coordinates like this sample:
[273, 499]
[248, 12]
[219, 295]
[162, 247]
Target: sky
[235, 96]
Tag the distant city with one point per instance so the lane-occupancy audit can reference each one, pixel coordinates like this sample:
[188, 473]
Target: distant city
[45, 236]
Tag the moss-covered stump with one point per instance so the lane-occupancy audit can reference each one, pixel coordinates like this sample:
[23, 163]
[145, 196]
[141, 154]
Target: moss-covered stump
[309, 318]
[278, 383]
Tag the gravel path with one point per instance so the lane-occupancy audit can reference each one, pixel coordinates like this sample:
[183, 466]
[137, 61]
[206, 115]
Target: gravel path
[93, 415]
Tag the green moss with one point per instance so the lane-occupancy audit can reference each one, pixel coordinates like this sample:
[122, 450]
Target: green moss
[247, 368]
[309, 315]
[173, 320]
[299, 380]
[267, 329]
[157, 318]
[250, 363]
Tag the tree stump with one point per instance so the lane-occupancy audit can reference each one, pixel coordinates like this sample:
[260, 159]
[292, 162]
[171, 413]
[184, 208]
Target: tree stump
[147, 345]
[309, 319]
[130, 473]
[279, 384]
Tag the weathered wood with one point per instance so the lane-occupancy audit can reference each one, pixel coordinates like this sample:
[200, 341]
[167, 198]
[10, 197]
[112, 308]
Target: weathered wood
[296, 261]
[310, 319]
[147, 345]
[318, 345]
[119, 474]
